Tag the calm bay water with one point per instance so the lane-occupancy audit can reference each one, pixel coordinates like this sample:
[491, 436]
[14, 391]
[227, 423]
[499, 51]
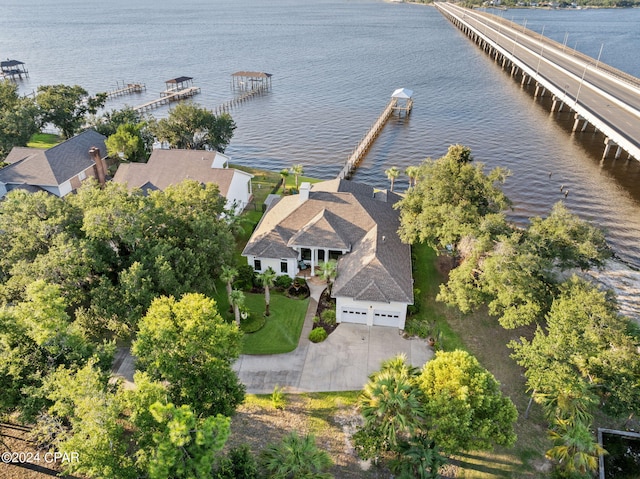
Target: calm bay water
[335, 64]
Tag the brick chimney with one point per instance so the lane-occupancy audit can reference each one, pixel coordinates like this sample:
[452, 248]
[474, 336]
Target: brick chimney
[94, 152]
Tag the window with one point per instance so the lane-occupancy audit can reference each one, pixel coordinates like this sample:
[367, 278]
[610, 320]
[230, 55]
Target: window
[257, 265]
[82, 175]
[284, 267]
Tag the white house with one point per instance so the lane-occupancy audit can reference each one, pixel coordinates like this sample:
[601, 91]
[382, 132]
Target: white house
[352, 223]
[169, 167]
[59, 169]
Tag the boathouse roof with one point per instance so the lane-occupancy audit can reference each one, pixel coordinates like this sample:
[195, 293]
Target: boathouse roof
[402, 93]
[179, 80]
[252, 74]
[10, 63]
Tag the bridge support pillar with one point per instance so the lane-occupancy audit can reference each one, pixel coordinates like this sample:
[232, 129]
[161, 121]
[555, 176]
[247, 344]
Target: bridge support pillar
[538, 86]
[576, 124]
[608, 143]
[555, 103]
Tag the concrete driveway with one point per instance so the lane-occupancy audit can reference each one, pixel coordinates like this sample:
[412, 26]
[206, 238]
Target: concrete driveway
[342, 362]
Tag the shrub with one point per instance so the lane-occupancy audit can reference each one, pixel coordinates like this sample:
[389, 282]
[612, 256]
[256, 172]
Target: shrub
[245, 277]
[283, 282]
[252, 323]
[239, 463]
[329, 316]
[278, 400]
[317, 335]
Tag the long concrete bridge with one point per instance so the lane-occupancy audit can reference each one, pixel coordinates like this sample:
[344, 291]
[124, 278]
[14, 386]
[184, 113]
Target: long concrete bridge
[598, 94]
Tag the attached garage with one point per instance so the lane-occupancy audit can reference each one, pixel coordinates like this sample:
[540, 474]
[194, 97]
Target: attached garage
[386, 318]
[353, 315]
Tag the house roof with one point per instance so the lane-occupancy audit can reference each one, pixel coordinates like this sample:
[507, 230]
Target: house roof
[169, 167]
[342, 215]
[52, 167]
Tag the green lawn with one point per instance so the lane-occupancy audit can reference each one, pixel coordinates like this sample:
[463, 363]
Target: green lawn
[44, 140]
[431, 319]
[281, 332]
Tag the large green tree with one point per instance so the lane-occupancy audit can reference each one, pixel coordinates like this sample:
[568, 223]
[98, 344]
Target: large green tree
[67, 107]
[465, 408]
[189, 345]
[451, 199]
[128, 143]
[515, 271]
[17, 118]
[584, 340]
[83, 399]
[36, 337]
[195, 128]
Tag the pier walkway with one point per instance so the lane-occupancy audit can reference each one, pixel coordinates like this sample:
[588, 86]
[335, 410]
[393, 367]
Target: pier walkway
[597, 94]
[127, 89]
[400, 102]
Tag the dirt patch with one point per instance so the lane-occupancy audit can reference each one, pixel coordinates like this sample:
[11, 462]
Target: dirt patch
[444, 264]
[30, 463]
[259, 424]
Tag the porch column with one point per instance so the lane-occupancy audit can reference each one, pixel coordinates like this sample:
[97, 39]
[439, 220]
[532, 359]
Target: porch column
[313, 261]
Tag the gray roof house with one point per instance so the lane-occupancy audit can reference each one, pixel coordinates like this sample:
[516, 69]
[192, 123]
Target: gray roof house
[350, 222]
[59, 169]
[169, 167]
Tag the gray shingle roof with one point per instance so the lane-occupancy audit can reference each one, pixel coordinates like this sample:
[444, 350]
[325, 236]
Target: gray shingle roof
[343, 213]
[52, 167]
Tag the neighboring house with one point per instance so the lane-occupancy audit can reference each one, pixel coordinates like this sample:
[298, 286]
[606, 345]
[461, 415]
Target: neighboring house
[59, 169]
[169, 167]
[352, 223]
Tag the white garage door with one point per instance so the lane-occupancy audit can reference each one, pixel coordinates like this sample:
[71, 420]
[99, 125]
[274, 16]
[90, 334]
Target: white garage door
[354, 315]
[386, 318]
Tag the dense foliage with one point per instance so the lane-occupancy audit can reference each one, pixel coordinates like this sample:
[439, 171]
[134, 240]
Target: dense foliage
[187, 344]
[452, 404]
[111, 243]
[18, 118]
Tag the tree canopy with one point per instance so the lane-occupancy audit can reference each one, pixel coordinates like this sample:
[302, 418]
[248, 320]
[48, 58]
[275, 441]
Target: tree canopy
[450, 200]
[189, 345]
[585, 343]
[192, 127]
[465, 408]
[18, 118]
[67, 107]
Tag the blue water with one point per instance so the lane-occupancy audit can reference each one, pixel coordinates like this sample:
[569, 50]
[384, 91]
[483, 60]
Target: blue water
[335, 64]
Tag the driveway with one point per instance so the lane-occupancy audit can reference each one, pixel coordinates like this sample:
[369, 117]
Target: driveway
[342, 362]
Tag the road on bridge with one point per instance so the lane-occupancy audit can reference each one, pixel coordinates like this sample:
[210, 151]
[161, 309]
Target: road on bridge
[580, 81]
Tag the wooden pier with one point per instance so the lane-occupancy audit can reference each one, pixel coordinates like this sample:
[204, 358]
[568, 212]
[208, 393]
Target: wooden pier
[12, 69]
[127, 89]
[400, 102]
[177, 89]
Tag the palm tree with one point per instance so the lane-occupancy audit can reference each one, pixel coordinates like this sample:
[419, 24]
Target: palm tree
[412, 173]
[227, 275]
[284, 173]
[328, 271]
[236, 298]
[572, 404]
[295, 457]
[266, 279]
[392, 173]
[392, 404]
[297, 170]
[575, 449]
[418, 458]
